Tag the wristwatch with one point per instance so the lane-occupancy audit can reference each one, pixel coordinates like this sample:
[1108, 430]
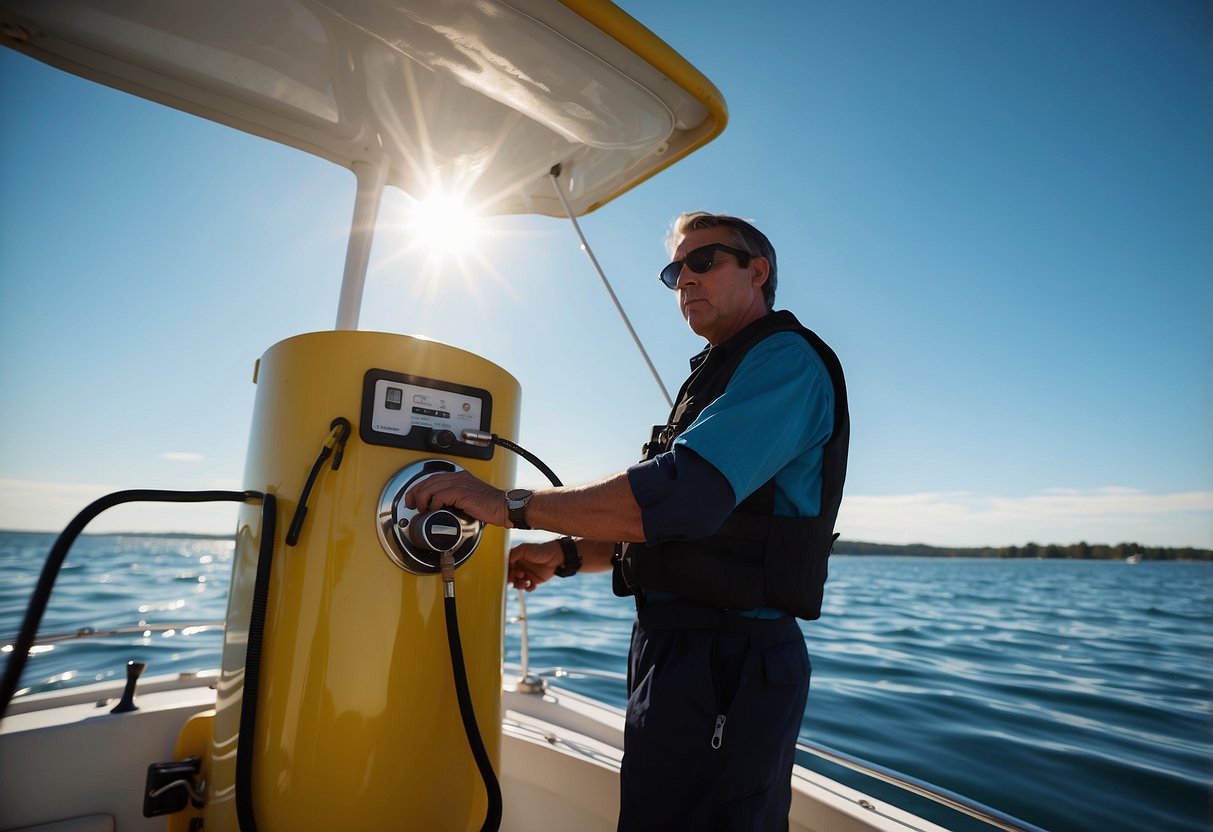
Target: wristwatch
[515, 503]
[572, 558]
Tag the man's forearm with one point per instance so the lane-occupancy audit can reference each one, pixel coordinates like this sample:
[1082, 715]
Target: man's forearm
[601, 511]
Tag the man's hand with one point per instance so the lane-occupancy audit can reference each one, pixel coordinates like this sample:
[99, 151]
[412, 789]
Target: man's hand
[533, 563]
[462, 491]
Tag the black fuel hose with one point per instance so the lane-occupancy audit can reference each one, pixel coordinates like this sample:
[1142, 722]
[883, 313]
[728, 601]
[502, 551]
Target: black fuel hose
[492, 787]
[492, 815]
[54, 562]
[245, 818]
[529, 457]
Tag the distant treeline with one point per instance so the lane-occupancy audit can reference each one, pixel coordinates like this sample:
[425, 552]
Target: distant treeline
[1077, 551]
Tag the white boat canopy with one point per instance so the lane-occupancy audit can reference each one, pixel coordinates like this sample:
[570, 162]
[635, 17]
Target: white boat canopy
[526, 106]
[479, 98]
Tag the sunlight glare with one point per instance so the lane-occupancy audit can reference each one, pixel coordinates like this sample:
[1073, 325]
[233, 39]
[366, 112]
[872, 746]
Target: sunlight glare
[444, 226]
[435, 249]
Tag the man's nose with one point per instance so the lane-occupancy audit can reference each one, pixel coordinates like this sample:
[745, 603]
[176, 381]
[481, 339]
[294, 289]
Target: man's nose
[686, 277]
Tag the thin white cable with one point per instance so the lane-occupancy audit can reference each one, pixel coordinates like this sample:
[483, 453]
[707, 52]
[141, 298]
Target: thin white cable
[585, 246]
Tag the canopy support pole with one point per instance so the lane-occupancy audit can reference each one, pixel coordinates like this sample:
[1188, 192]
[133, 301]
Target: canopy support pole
[372, 177]
[554, 173]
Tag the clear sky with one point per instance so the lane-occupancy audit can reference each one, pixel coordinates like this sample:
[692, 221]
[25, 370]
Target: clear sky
[998, 213]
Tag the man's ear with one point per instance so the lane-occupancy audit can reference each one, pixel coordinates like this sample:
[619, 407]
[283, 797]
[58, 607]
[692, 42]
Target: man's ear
[762, 270]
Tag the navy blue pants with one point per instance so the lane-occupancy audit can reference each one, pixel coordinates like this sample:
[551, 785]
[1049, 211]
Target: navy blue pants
[715, 702]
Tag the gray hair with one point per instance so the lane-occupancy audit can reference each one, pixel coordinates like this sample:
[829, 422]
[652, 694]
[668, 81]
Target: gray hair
[744, 236]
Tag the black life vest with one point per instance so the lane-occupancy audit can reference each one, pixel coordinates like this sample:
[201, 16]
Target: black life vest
[755, 559]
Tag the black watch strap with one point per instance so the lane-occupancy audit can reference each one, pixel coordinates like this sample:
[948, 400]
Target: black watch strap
[572, 558]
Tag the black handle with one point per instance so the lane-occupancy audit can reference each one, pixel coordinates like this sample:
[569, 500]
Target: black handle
[133, 671]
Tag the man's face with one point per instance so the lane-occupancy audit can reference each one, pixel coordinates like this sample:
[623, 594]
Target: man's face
[722, 300]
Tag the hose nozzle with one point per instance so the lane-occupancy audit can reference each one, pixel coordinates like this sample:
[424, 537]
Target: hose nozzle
[446, 563]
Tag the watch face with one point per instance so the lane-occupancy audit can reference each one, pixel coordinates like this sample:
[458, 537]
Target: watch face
[515, 504]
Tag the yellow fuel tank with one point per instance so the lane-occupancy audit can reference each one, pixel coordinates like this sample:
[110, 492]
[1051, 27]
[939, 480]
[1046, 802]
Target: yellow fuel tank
[357, 723]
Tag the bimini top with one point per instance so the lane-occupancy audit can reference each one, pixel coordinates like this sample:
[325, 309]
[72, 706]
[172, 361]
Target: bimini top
[481, 97]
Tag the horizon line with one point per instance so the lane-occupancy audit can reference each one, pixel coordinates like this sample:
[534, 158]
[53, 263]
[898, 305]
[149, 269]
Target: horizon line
[841, 540]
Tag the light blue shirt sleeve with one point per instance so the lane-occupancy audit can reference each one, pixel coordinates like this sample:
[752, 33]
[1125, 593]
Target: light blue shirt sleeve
[771, 421]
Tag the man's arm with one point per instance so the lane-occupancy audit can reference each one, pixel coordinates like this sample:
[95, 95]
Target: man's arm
[603, 510]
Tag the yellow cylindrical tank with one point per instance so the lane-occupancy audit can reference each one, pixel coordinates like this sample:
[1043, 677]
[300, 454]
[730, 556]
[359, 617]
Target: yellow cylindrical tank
[357, 723]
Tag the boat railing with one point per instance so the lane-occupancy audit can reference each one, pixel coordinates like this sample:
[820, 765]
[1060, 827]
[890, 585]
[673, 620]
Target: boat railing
[185, 628]
[937, 794]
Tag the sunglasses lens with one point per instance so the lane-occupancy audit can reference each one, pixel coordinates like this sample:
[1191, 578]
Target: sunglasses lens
[698, 261]
[701, 259]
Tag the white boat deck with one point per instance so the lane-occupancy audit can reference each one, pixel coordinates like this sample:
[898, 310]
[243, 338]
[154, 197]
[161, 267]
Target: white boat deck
[68, 765]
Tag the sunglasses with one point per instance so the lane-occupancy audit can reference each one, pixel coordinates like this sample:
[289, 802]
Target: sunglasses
[701, 260]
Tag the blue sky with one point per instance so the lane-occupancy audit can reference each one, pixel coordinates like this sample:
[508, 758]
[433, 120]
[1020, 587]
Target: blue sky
[998, 213]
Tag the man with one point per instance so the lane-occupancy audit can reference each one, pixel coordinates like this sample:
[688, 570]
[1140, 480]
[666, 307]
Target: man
[725, 528]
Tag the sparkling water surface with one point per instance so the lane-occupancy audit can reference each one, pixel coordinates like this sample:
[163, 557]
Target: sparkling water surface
[1077, 695]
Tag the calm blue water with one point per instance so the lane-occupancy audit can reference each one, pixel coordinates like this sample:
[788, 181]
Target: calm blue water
[1075, 695]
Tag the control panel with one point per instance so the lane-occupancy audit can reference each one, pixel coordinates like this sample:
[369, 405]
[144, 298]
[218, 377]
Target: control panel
[423, 414]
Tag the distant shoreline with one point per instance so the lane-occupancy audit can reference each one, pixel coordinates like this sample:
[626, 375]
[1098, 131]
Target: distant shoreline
[1033, 551]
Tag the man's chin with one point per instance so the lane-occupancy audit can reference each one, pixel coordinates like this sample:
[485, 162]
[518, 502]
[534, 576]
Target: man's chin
[696, 320]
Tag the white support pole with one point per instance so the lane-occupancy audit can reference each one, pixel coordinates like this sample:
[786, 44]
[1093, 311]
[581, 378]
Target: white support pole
[371, 179]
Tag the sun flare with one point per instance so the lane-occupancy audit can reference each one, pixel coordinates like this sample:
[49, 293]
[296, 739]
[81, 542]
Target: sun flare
[444, 226]
[435, 247]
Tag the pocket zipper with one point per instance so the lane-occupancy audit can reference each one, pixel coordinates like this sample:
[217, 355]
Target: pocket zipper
[719, 732]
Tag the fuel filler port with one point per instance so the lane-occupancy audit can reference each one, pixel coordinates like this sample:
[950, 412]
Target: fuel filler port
[416, 541]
